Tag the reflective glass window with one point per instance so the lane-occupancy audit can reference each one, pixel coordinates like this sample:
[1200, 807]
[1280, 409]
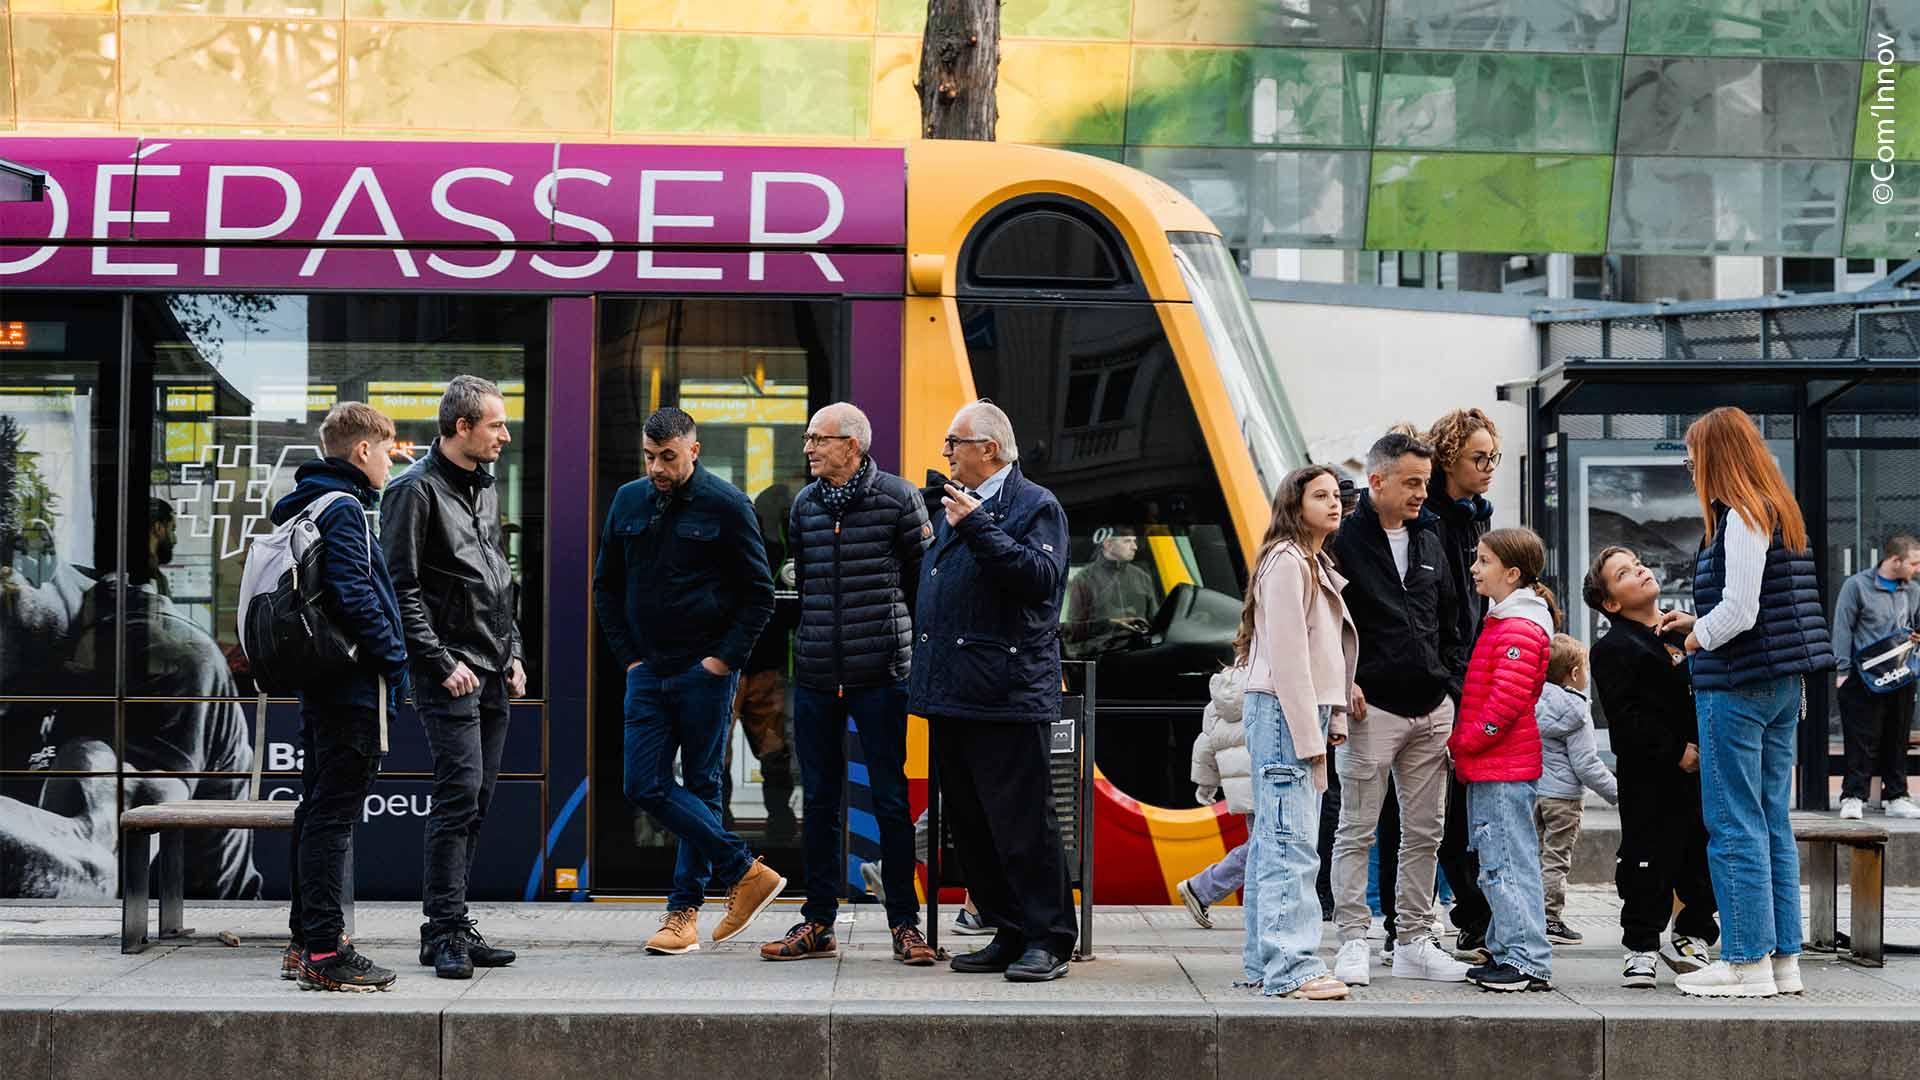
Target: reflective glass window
[1741, 108]
[1269, 198]
[1045, 247]
[1898, 20]
[1816, 28]
[1708, 206]
[1249, 97]
[1487, 202]
[1507, 25]
[1489, 101]
[1257, 22]
[1883, 216]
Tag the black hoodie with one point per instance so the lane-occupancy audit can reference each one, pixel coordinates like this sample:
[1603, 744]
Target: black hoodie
[1462, 523]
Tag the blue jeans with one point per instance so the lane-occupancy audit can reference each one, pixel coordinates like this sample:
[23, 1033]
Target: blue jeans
[1226, 877]
[879, 714]
[688, 714]
[1500, 832]
[1283, 858]
[1746, 786]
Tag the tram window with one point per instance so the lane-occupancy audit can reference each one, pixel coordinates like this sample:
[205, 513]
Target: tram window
[1102, 418]
[1045, 246]
[230, 389]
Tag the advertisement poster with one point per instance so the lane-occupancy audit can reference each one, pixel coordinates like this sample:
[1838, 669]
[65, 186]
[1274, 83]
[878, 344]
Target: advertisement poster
[1645, 503]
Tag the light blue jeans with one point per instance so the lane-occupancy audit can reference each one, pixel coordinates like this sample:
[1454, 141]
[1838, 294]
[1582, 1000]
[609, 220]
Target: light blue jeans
[1226, 877]
[1500, 831]
[1746, 786]
[1283, 858]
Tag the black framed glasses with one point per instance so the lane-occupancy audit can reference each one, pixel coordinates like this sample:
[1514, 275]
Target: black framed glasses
[947, 444]
[811, 439]
[1486, 462]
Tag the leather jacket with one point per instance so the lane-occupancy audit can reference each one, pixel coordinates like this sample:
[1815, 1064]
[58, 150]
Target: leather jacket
[440, 529]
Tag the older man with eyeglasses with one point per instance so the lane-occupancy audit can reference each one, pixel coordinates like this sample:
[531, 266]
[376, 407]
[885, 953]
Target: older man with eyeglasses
[986, 675]
[858, 534]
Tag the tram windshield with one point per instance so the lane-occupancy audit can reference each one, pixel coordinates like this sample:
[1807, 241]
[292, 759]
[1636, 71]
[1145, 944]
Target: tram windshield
[1240, 350]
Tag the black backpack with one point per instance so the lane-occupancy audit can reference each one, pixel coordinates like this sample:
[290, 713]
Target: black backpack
[289, 637]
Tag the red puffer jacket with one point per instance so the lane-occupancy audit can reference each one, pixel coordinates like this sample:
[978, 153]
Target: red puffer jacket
[1496, 737]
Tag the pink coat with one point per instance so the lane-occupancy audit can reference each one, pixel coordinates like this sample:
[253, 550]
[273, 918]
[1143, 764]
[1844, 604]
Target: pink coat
[1496, 737]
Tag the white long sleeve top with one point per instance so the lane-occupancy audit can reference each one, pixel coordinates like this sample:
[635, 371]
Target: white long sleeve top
[1739, 606]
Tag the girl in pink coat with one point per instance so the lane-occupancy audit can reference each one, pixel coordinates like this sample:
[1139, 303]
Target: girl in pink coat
[1496, 751]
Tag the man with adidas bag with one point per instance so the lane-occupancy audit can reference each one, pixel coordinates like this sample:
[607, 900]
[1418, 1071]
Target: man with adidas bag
[343, 699]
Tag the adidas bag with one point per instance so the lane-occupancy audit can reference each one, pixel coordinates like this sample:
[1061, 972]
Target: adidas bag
[288, 638]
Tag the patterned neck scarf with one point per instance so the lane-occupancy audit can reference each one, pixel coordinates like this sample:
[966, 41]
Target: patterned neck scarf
[839, 498]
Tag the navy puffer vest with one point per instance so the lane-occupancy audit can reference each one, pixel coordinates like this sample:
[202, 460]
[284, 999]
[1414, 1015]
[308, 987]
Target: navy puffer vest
[1790, 635]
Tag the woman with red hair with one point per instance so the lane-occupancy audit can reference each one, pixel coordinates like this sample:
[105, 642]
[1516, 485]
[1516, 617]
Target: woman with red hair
[1758, 630]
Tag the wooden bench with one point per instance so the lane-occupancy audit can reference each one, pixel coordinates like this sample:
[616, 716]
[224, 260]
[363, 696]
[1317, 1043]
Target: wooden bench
[1824, 836]
[171, 820]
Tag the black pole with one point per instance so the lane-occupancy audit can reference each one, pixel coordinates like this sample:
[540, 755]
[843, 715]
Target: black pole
[1085, 815]
[933, 843]
[1810, 486]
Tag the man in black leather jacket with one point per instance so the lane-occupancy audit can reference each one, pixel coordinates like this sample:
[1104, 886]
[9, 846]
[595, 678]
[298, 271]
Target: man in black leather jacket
[440, 528]
[859, 534]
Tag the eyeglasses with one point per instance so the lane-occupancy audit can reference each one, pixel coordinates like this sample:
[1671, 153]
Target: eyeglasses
[811, 439]
[947, 444]
[1485, 462]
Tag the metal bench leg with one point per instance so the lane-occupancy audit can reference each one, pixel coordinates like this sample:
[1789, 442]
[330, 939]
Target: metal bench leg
[1823, 887]
[1869, 915]
[173, 883]
[133, 890]
[346, 894]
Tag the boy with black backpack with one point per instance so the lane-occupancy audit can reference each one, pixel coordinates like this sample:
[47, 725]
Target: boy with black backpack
[342, 714]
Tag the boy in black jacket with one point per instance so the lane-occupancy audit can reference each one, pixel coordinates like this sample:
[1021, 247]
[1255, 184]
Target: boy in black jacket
[1647, 695]
[342, 728]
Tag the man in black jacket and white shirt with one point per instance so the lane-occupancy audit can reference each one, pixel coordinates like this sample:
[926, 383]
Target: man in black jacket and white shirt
[859, 535]
[440, 528]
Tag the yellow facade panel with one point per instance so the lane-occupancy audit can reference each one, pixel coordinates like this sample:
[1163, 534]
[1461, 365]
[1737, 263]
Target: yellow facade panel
[65, 67]
[250, 9]
[1062, 92]
[207, 70]
[474, 78]
[748, 16]
[896, 108]
[494, 12]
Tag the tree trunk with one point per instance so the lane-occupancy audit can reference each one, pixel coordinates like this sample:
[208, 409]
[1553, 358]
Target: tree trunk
[959, 69]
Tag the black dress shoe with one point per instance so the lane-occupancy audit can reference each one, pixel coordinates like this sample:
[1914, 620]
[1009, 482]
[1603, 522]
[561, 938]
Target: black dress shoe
[483, 954]
[992, 960]
[1037, 965]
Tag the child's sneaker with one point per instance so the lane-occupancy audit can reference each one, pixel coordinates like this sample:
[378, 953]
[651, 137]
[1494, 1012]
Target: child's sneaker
[1685, 954]
[1194, 907]
[1642, 971]
[345, 970]
[1902, 807]
[1852, 809]
[967, 924]
[290, 961]
[1425, 959]
[1471, 948]
[1505, 978]
[1560, 933]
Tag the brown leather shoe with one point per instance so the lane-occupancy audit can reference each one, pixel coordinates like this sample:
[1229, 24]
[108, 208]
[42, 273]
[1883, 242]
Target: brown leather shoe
[747, 899]
[910, 948]
[806, 941]
[679, 933]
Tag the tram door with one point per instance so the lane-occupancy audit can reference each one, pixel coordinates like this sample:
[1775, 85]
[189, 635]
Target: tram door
[750, 372]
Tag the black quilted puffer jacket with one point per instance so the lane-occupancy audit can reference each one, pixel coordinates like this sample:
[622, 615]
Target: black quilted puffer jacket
[856, 576]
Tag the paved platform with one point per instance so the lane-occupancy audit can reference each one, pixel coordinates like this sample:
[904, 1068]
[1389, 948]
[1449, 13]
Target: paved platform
[1158, 1001]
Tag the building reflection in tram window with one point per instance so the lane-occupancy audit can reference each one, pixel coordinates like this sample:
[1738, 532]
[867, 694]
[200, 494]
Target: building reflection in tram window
[1104, 420]
[750, 372]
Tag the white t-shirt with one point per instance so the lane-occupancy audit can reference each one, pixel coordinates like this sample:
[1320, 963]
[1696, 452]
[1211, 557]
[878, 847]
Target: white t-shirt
[1397, 540]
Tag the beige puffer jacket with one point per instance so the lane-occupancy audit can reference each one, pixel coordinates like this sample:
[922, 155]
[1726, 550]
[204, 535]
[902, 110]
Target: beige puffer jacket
[1220, 758]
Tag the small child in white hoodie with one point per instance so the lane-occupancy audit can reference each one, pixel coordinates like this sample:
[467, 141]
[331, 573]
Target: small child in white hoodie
[1220, 760]
[1569, 760]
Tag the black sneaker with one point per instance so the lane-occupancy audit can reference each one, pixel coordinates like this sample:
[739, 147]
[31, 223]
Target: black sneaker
[483, 954]
[1505, 978]
[1560, 933]
[345, 970]
[1471, 947]
[446, 952]
[290, 961]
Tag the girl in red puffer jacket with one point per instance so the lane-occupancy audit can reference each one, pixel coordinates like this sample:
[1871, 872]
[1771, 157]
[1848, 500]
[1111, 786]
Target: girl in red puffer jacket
[1496, 751]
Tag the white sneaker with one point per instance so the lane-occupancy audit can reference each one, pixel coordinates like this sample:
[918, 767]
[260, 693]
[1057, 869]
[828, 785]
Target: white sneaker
[1852, 809]
[1351, 965]
[1425, 959]
[1685, 954]
[1721, 979]
[1903, 807]
[1641, 972]
[870, 875]
[1786, 975]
